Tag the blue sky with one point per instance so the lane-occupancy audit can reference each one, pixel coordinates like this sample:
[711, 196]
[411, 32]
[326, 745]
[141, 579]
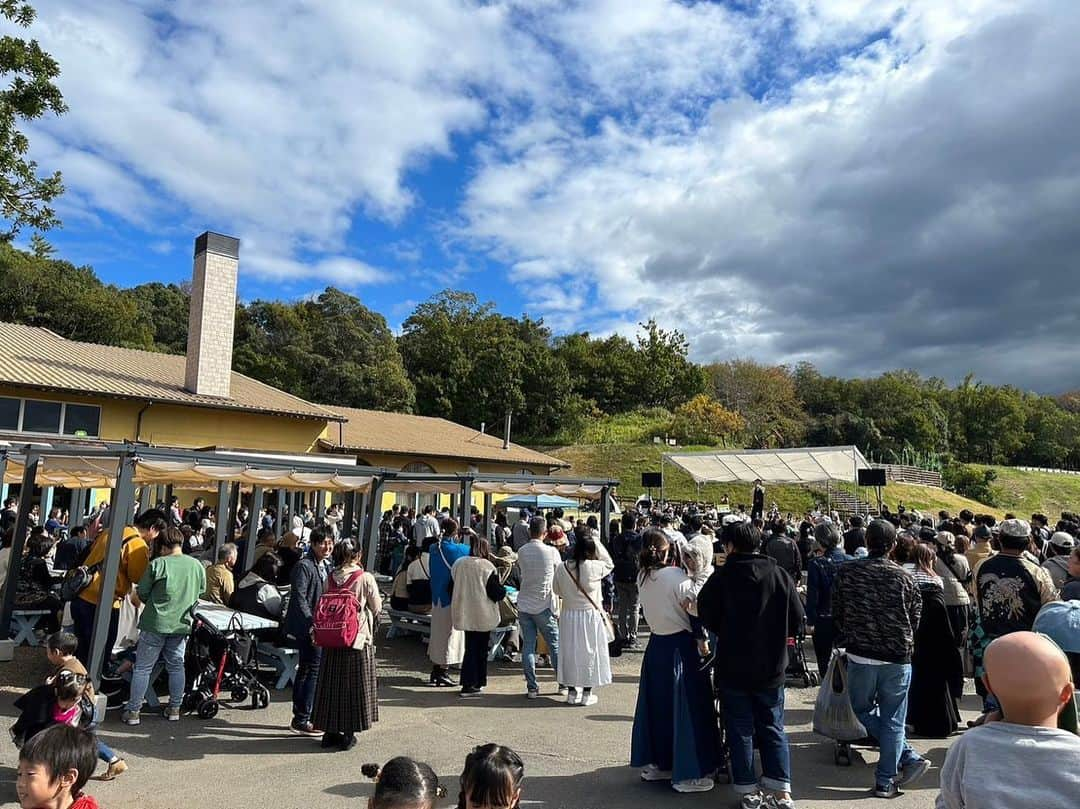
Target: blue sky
[823, 180]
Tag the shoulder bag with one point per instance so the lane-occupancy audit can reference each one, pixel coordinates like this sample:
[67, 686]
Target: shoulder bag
[609, 627]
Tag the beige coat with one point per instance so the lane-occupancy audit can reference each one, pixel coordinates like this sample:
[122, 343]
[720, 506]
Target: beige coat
[470, 607]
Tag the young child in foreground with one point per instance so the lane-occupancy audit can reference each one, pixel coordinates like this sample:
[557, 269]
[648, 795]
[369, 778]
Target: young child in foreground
[54, 766]
[1023, 759]
[403, 783]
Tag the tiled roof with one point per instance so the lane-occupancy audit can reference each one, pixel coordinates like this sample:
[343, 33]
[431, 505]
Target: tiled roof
[37, 358]
[376, 431]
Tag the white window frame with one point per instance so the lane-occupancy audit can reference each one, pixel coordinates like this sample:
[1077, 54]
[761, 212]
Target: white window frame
[63, 417]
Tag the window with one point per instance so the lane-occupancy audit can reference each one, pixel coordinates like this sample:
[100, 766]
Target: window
[9, 413]
[417, 466]
[52, 418]
[81, 420]
[41, 417]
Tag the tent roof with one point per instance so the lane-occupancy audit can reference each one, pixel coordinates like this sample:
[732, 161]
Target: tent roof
[538, 501]
[801, 465]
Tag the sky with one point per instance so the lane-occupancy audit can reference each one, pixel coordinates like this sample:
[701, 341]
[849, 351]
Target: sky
[864, 184]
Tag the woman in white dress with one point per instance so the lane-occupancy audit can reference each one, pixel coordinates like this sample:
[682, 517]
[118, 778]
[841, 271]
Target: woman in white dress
[583, 635]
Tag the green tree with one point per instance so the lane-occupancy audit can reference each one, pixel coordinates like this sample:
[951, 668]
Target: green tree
[971, 482]
[703, 420]
[765, 397]
[988, 423]
[29, 94]
[331, 349]
[604, 372]
[69, 300]
[164, 308]
[666, 376]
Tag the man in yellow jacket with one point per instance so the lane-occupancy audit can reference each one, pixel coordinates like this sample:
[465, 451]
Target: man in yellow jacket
[134, 557]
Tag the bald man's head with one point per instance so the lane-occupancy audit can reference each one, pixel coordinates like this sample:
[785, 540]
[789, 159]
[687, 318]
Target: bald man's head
[1030, 676]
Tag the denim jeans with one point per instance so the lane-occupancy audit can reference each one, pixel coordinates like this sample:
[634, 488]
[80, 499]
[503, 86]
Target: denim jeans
[307, 675]
[757, 713]
[152, 647]
[879, 696]
[547, 625]
[626, 610]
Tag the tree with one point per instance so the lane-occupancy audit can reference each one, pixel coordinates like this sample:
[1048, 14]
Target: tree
[971, 482]
[332, 349]
[69, 300]
[666, 377]
[164, 308]
[703, 420]
[988, 422]
[30, 93]
[604, 372]
[765, 396]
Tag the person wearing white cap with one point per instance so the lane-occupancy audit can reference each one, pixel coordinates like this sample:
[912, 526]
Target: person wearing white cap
[1059, 547]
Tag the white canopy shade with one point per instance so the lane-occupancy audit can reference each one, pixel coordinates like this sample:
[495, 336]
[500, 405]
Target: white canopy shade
[802, 465]
[569, 489]
[180, 473]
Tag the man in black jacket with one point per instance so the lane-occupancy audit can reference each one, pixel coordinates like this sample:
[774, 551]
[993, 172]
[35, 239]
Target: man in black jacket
[308, 582]
[752, 606]
[876, 607]
[855, 536]
[625, 550]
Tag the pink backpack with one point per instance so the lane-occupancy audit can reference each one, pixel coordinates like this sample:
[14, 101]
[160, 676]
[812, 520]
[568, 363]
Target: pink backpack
[337, 614]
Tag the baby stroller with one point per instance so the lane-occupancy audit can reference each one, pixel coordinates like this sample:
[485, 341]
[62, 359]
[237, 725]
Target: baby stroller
[221, 661]
[798, 668]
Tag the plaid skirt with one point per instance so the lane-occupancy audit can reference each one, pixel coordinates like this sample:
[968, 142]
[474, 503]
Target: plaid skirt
[346, 697]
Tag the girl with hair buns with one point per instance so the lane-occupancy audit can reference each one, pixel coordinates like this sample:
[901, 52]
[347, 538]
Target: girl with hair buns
[491, 779]
[675, 720]
[403, 783]
[346, 696]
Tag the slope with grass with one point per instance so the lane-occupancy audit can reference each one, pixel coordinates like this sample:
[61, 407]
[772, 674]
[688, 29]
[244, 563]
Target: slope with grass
[1025, 493]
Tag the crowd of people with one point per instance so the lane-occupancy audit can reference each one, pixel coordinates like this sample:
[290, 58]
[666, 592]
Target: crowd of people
[915, 603]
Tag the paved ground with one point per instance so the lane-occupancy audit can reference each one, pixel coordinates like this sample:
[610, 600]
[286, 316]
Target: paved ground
[575, 757]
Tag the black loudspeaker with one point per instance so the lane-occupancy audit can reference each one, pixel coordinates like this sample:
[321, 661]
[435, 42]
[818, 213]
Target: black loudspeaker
[871, 477]
[651, 480]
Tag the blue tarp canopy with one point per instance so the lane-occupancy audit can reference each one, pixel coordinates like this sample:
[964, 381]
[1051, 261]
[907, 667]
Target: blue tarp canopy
[537, 501]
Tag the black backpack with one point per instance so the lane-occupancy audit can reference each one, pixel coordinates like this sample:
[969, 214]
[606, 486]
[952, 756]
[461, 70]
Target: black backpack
[625, 559]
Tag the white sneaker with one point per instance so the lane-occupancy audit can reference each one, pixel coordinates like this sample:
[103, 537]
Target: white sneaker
[533, 693]
[694, 785]
[592, 699]
[653, 773]
[573, 697]
[753, 800]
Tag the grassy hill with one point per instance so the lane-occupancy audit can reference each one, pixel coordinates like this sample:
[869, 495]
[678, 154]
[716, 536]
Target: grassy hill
[626, 462]
[1027, 492]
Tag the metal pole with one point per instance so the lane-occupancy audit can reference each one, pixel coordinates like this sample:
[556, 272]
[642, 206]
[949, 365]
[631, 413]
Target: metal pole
[123, 503]
[234, 511]
[252, 528]
[18, 542]
[46, 502]
[661, 479]
[349, 515]
[373, 523]
[466, 503]
[605, 514]
[487, 515]
[360, 510]
[222, 516]
[280, 513]
[320, 505]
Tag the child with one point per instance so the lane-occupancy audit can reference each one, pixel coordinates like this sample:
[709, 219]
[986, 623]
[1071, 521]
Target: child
[54, 766]
[403, 783]
[64, 699]
[492, 777]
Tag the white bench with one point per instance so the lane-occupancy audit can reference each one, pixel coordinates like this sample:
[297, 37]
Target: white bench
[284, 660]
[24, 623]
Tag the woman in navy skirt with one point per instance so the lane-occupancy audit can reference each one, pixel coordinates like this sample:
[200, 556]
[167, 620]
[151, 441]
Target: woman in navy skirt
[675, 731]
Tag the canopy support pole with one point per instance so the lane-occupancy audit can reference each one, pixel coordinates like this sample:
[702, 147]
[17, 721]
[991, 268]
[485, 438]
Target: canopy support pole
[122, 505]
[77, 508]
[18, 542]
[349, 515]
[661, 479]
[252, 528]
[372, 522]
[465, 502]
[280, 516]
[487, 515]
[605, 514]
[320, 505]
[234, 512]
[222, 516]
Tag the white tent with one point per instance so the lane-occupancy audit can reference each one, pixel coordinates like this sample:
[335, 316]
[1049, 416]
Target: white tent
[801, 465]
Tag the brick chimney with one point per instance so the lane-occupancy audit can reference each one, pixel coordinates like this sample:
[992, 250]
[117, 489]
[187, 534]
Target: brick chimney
[213, 315]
